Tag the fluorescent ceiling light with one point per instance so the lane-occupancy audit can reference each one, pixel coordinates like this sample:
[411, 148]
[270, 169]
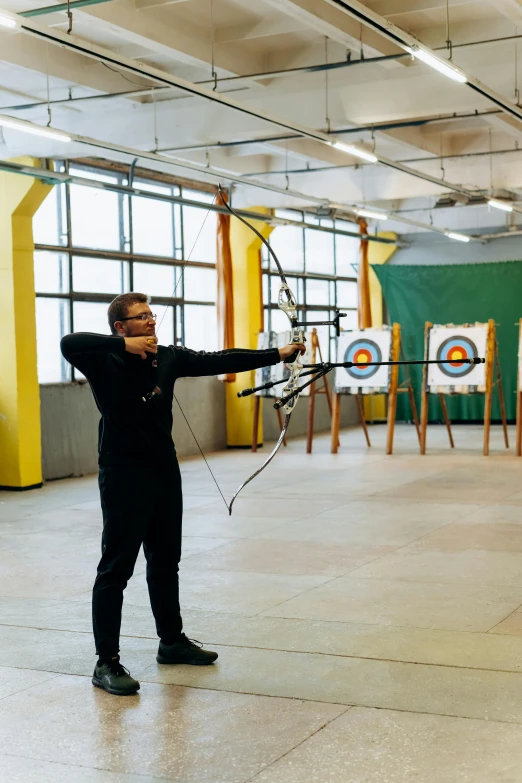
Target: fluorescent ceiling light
[442, 66]
[505, 205]
[369, 214]
[357, 151]
[458, 237]
[36, 130]
[6, 21]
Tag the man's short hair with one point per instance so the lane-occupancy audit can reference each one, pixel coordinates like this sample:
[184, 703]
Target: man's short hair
[119, 307]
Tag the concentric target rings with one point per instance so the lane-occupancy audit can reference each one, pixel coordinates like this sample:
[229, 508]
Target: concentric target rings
[362, 351]
[451, 353]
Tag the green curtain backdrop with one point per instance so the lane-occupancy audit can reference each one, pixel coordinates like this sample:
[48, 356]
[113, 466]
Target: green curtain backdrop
[458, 294]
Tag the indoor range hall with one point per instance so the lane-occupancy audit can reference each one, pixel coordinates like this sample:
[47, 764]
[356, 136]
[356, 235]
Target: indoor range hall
[260, 391]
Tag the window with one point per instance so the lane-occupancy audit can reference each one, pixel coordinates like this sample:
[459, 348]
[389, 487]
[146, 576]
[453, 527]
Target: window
[92, 244]
[323, 266]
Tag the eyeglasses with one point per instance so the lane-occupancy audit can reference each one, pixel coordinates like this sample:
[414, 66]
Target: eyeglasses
[142, 317]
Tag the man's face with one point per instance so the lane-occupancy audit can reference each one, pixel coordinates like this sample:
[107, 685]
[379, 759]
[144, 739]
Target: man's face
[133, 325]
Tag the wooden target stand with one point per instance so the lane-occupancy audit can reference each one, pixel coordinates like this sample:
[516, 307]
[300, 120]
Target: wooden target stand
[519, 392]
[324, 389]
[394, 390]
[255, 425]
[492, 363]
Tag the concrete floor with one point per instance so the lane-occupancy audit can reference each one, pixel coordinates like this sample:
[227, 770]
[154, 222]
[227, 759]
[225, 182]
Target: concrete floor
[367, 611]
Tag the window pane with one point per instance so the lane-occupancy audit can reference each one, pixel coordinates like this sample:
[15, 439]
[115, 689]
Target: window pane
[317, 292]
[157, 279]
[164, 324]
[200, 284]
[346, 255]
[178, 238]
[100, 275]
[287, 244]
[51, 275]
[152, 187]
[279, 321]
[94, 218]
[152, 227]
[199, 195]
[46, 229]
[199, 235]
[319, 252]
[289, 214]
[52, 322]
[97, 174]
[346, 294]
[200, 327]
[351, 321]
[91, 317]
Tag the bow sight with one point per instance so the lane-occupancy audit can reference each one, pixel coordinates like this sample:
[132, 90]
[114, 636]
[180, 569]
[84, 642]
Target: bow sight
[335, 322]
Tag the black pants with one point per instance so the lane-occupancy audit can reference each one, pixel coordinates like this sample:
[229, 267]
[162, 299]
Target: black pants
[140, 505]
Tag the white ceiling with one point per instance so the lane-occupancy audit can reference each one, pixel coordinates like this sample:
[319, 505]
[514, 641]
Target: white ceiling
[184, 37]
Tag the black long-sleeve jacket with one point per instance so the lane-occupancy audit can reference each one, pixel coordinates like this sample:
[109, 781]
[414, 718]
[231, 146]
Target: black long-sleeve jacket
[135, 426]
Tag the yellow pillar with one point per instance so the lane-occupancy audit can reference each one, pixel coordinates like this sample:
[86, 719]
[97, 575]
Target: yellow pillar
[375, 406]
[248, 322]
[20, 445]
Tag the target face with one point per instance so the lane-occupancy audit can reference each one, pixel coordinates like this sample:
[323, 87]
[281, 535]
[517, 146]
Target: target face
[362, 352]
[449, 345]
[451, 353]
[363, 346]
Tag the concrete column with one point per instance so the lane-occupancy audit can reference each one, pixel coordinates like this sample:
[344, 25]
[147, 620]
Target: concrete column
[20, 443]
[248, 322]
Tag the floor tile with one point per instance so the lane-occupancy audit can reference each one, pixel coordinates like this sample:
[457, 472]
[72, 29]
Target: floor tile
[287, 557]
[181, 734]
[464, 607]
[427, 565]
[365, 746]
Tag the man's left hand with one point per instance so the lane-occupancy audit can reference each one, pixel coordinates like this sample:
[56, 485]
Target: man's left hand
[288, 350]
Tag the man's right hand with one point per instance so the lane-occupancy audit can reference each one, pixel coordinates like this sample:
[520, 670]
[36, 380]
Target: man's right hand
[141, 345]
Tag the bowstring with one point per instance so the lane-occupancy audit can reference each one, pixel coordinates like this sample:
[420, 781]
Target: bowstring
[159, 327]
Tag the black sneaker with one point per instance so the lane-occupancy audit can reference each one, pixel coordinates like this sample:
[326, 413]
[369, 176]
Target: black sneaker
[115, 678]
[185, 651]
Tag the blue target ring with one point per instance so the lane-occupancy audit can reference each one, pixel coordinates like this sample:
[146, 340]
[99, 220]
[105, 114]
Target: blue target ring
[362, 351]
[450, 355]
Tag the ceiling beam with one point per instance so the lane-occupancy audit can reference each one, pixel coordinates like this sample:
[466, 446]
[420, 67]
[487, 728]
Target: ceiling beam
[261, 28]
[389, 8]
[71, 67]
[391, 32]
[510, 9]
[333, 24]
[181, 41]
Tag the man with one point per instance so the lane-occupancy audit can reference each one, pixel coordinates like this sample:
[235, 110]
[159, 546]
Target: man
[132, 379]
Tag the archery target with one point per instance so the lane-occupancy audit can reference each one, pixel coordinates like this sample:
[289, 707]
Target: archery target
[449, 345]
[363, 346]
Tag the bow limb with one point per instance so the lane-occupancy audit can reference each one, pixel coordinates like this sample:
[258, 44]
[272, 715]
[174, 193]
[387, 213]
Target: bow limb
[288, 304]
[265, 463]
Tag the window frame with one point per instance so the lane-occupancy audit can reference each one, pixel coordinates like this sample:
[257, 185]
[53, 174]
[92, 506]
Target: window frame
[126, 249]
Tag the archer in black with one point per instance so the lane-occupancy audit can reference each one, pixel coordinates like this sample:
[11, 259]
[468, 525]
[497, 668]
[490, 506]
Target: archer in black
[139, 477]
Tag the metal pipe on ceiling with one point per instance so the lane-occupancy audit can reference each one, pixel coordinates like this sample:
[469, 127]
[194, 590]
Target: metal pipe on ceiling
[99, 53]
[404, 40]
[61, 178]
[318, 68]
[404, 160]
[51, 9]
